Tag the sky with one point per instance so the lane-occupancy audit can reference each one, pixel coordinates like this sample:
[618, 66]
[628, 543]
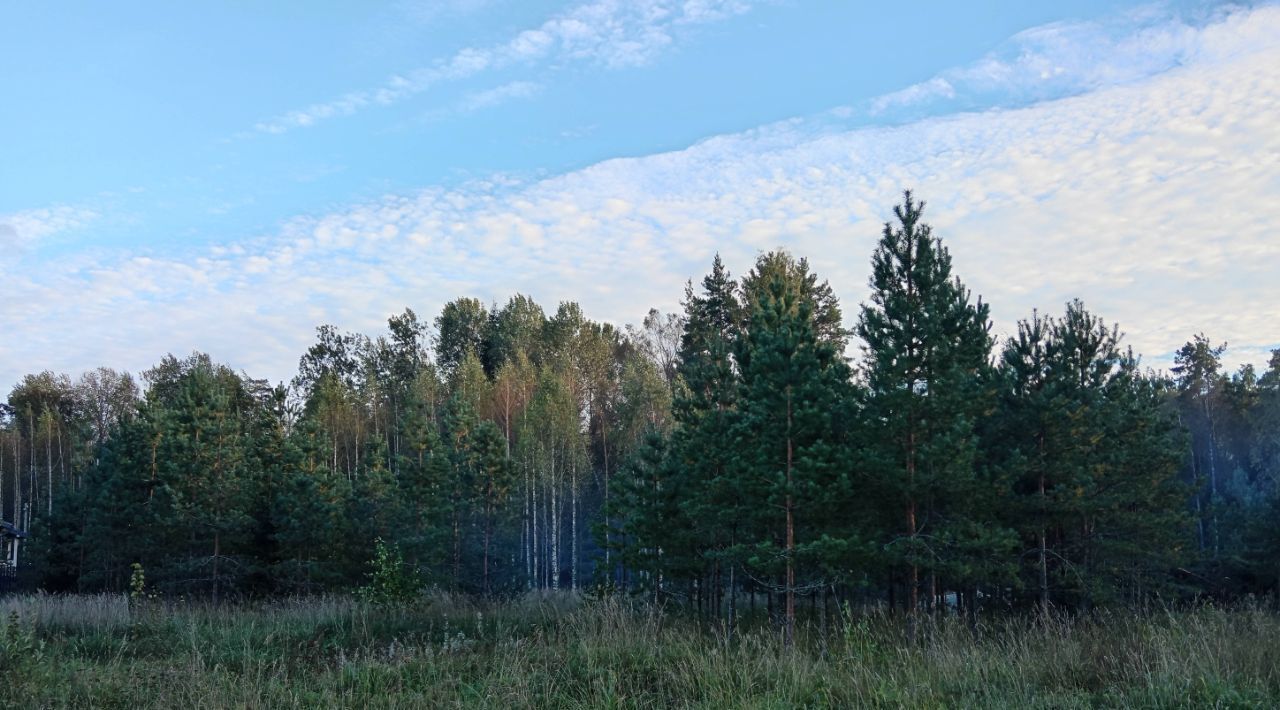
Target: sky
[223, 179]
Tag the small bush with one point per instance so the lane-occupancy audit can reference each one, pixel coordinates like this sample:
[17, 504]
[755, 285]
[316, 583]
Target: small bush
[391, 581]
[20, 649]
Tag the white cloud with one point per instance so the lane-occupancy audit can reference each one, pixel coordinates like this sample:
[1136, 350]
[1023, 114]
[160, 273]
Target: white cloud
[488, 98]
[498, 95]
[914, 94]
[1065, 58]
[22, 230]
[609, 33]
[1154, 201]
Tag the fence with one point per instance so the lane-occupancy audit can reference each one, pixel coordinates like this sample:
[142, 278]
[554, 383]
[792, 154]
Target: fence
[15, 579]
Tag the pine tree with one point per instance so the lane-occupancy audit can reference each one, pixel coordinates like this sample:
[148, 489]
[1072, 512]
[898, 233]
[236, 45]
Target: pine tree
[1264, 454]
[461, 423]
[792, 461]
[1029, 432]
[133, 509]
[1137, 528]
[494, 477]
[926, 354]
[203, 449]
[1092, 454]
[1197, 366]
[702, 445]
[312, 529]
[644, 515]
[423, 482]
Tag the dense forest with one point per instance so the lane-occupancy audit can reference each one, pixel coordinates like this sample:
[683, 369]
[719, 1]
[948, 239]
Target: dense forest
[750, 451]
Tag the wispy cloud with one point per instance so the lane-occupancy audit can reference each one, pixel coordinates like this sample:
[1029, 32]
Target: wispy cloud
[1065, 58]
[22, 230]
[478, 100]
[1153, 200]
[609, 33]
[937, 87]
[474, 101]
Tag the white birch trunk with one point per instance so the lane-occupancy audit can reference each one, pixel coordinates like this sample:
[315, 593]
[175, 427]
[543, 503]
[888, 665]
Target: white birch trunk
[526, 533]
[535, 544]
[17, 481]
[48, 464]
[573, 528]
[554, 571]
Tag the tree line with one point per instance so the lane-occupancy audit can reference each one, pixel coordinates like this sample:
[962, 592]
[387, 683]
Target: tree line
[748, 451]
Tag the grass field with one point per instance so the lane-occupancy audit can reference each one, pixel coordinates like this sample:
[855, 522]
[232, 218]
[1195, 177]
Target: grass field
[562, 651]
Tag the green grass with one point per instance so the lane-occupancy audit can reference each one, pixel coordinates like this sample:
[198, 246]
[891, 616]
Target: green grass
[562, 651]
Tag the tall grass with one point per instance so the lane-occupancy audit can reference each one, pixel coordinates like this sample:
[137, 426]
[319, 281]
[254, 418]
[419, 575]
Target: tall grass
[564, 651]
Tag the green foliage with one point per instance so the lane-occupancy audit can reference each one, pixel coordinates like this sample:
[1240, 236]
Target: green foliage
[391, 581]
[643, 516]
[1097, 522]
[790, 437]
[462, 329]
[726, 458]
[515, 328]
[927, 372]
[21, 650]
[137, 581]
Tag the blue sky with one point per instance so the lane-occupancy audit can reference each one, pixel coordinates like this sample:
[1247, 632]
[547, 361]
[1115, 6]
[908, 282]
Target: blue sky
[225, 179]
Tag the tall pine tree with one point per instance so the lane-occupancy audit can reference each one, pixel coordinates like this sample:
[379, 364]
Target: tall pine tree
[791, 459]
[926, 354]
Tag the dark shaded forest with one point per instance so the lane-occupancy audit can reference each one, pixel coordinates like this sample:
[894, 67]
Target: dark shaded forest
[749, 452]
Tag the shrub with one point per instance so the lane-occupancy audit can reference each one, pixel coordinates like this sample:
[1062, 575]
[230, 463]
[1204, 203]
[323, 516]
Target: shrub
[391, 581]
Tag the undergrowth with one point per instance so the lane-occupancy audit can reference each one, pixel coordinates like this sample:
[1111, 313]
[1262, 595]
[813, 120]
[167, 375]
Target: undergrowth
[567, 651]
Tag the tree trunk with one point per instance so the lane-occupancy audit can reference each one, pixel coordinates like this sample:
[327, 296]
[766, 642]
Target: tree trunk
[17, 480]
[789, 634]
[912, 595]
[526, 528]
[488, 528]
[554, 571]
[1213, 479]
[912, 599]
[573, 526]
[216, 552]
[1044, 553]
[604, 451]
[48, 455]
[535, 544]
[457, 542]
[733, 600]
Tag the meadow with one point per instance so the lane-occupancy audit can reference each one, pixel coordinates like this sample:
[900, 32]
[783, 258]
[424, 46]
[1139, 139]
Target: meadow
[561, 650]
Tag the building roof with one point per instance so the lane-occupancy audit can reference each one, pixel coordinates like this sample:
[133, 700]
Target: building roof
[10, 530]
